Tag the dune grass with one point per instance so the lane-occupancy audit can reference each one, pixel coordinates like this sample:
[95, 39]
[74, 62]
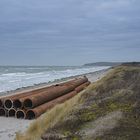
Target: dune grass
[109, 109]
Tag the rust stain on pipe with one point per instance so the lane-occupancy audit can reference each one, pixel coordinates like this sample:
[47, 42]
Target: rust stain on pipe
[36, 112]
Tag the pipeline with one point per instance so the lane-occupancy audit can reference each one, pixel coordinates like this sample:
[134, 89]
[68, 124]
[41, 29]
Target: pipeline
[38, 99]
[82, 87]
[36, 112]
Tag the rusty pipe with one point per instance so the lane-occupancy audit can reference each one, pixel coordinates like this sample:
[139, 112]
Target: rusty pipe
[20, 114]
[11, 112]
[82, 87]
[30, 92]
[77, 81]
[3, 112]
[36, 100]
[9, 101]
[41, 98]
[18, 102]
[36, 112]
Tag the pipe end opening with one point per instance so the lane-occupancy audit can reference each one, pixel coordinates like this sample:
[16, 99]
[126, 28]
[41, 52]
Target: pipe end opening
[30, 115]
[28, 103]
[11, 113]
[8, 104]
[20, 114]
[2, 112]
[17, 104]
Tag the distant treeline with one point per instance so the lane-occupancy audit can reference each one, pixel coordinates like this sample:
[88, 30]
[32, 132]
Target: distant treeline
[103, 64]
[113, 64]
[131, 64]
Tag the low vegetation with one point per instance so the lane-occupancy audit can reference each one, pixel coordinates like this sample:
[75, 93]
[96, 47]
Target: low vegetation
[107, 110]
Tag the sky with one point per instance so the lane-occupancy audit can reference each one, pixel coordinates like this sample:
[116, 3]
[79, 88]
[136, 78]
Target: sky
[69, 32]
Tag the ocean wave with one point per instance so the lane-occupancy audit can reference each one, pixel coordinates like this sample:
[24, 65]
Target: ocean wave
[12, 81]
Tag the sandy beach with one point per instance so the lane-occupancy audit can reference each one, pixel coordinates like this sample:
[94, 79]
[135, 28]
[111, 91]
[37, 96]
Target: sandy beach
[9, 126]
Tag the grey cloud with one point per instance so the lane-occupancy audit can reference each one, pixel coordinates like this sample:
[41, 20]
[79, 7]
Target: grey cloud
[64, 26]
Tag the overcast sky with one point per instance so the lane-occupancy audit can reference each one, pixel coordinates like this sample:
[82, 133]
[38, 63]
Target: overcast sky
[68, 32]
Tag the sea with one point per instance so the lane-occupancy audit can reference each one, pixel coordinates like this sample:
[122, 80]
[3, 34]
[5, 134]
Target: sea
[15, 77]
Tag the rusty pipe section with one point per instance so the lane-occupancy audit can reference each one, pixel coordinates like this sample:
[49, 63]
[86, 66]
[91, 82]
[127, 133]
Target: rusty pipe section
[13, 100]
[18, 102]
[36, 112]
[77, 82]
[38, 99]
[46, 96]
[33, 91]
[9, 101]
[41, 97]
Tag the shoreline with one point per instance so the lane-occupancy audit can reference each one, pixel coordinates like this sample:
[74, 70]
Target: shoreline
[9, 126]
[41, 85]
